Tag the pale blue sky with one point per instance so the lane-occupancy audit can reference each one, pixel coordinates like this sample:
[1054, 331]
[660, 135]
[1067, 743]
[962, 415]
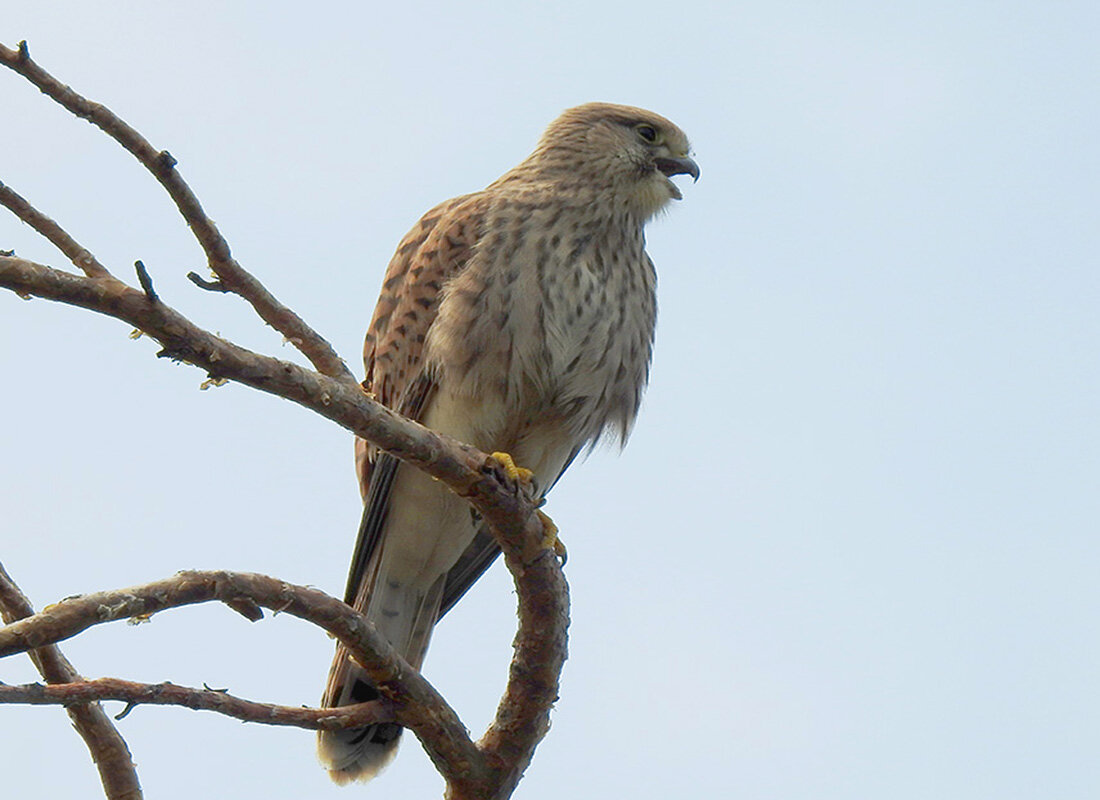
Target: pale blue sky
[851, 550]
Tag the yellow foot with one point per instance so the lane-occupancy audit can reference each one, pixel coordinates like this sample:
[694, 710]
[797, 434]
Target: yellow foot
[534, 550]
[550, 540]
[518, 474]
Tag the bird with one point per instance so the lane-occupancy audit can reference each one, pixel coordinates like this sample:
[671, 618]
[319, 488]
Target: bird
[519, 319]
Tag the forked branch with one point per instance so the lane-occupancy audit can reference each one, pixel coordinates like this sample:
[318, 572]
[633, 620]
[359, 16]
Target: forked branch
[104, 742]
[419, 705]
[492, 767]
[162, 165]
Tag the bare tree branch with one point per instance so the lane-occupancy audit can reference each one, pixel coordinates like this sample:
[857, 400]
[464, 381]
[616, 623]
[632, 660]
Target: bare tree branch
[163, 167]
[490, 769]
[183, 340]
[523, 717]
[169, 694]
[416, 704]
[109, 751]
[79, 255]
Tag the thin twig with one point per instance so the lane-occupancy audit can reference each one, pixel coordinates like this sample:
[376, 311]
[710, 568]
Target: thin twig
[202, 283]
[145, 281]
[54, 233]
[109, 751]
[169, 694]
[161, 164]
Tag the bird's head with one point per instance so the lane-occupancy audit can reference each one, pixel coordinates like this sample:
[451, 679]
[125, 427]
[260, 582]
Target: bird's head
[630, 151]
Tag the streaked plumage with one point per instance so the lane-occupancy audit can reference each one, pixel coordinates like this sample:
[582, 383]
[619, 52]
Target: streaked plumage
[520, 319]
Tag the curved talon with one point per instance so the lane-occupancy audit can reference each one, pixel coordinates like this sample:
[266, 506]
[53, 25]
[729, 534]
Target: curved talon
[517, 474]
[550, 539]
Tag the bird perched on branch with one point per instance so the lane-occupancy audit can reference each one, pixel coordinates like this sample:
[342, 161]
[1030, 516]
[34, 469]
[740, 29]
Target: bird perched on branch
[518, 319]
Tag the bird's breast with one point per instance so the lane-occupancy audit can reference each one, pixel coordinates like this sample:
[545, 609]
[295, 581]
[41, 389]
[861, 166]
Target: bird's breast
[556, 315]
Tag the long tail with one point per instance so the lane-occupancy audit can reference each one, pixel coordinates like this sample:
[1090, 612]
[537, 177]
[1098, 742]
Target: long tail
[405, 616]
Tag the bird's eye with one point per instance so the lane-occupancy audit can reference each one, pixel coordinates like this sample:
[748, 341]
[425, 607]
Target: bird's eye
[647, 132]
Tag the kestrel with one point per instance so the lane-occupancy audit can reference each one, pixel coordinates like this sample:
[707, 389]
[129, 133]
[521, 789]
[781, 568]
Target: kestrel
[519, 319]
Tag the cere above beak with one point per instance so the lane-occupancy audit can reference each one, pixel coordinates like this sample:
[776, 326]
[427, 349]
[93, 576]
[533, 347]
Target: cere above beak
[678, 166]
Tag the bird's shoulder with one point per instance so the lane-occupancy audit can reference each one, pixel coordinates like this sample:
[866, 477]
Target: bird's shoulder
[436, 247]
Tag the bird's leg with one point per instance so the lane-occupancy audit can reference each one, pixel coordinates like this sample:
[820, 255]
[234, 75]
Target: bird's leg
[524, 479]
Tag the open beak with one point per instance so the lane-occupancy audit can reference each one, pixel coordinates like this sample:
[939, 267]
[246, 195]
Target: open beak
[678, 166]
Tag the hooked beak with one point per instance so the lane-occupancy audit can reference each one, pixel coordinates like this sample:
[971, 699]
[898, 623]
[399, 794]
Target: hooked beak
[678, 166]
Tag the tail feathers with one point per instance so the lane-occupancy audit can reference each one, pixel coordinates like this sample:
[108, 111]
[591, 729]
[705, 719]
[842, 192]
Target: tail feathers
[355, 754]
[358, 754]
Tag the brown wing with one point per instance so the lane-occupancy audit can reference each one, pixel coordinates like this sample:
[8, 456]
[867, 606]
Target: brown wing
[404, 312]
[436, 249]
